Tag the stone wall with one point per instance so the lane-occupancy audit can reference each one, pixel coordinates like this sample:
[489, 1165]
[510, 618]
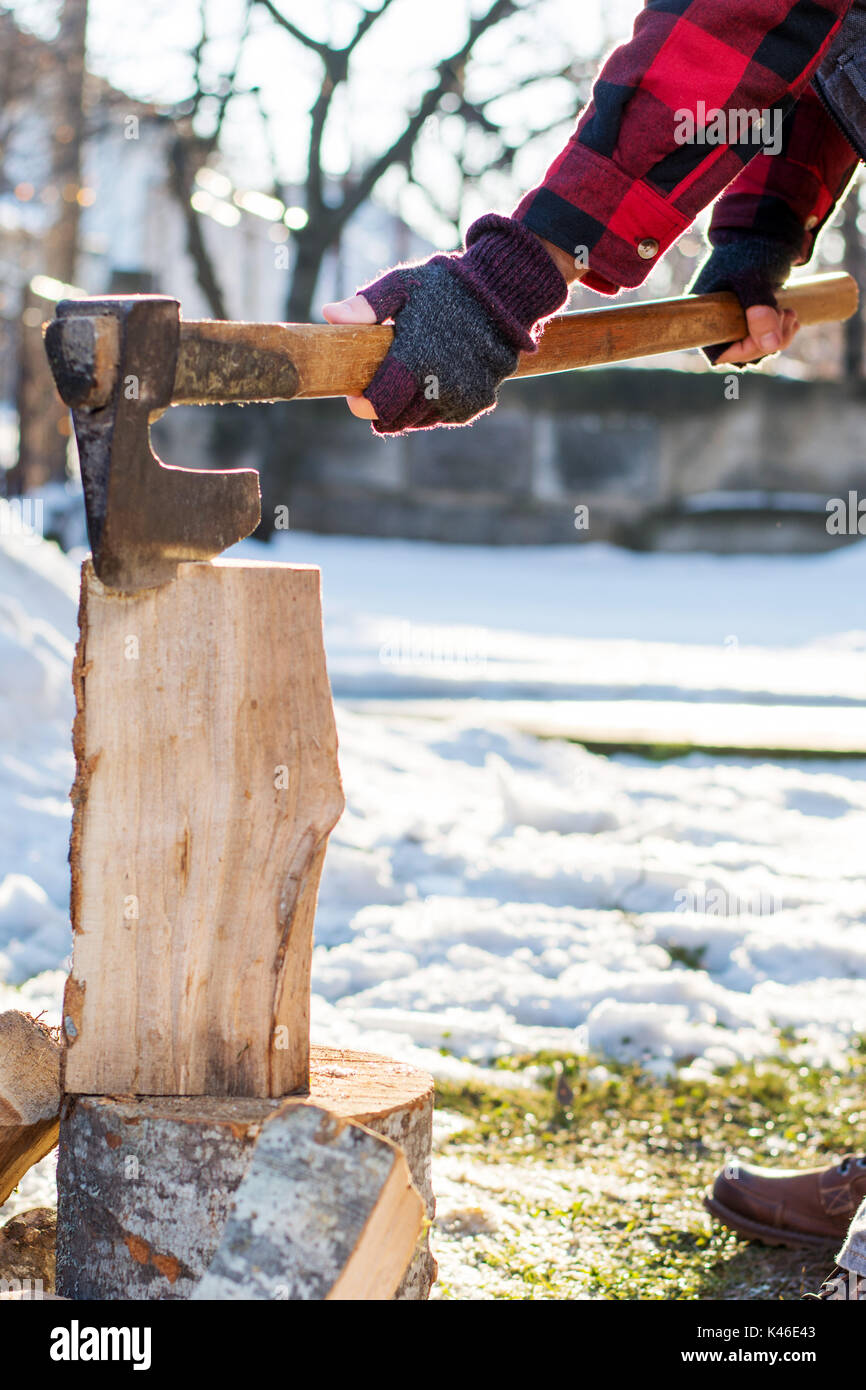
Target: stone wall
[646, 451]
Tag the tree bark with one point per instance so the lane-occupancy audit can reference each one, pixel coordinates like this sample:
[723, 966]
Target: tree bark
[326, 1210]
[146, 1185]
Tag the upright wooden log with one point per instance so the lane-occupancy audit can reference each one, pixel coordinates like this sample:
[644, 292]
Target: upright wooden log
[29, 1096]
[146, 1185]
[206, 787]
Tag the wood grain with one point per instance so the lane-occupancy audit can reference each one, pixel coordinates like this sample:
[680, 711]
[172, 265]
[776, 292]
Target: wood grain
[206, 786]
[340, 360]
[602, 336]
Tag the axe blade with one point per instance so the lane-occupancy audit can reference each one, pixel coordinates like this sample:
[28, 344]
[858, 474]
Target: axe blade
[144, 517]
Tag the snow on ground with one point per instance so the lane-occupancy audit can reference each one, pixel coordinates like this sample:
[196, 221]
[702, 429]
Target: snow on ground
[415, 619]
[487, 892]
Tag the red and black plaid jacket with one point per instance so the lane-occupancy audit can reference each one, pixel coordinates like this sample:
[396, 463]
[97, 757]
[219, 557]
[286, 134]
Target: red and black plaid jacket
[624, 188]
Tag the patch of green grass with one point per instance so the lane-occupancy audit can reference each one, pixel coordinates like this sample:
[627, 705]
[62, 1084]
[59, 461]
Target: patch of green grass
[692, 957]
[659, 1142]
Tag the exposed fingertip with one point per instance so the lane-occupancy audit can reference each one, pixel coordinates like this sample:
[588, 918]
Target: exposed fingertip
[353, 310]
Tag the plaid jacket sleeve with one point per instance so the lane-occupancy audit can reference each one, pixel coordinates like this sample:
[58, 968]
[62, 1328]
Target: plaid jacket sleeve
[790, 195]
[627, 185]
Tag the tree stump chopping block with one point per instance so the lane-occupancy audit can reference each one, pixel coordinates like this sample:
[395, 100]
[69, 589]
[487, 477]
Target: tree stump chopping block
[206, 787]
[146, 1184]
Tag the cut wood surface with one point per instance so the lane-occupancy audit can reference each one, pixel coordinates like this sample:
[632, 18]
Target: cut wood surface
[206, 786]
[29, 1096]
[326, 1210]
[145, 1185]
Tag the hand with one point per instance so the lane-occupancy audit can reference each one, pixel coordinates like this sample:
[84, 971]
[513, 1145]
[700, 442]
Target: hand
[354, 310]
[770, 331]
[357, 310]
[755, 268]
[460, 324]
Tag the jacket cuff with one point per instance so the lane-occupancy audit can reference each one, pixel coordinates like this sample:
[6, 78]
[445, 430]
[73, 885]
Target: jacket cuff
[615, 225]
[516, 280]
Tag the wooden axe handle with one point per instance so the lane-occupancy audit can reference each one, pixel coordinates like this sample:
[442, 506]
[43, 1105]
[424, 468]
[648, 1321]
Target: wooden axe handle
[667, 325]
[222, 361]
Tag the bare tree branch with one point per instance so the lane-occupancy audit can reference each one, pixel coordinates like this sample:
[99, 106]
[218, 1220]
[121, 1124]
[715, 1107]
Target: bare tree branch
[335, 63]
[189, 151]
[366, 22]
[323, 50]
[578, 74]
[326, 219]
[449, 79]
[318, 119]
[181, 178]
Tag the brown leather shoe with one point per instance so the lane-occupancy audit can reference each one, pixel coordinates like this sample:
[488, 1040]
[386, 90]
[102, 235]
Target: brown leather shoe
[787, 1206]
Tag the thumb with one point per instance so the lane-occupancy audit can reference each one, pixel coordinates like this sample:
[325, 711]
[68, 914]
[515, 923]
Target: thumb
[765, 336]
[765, 327]
[353, 310]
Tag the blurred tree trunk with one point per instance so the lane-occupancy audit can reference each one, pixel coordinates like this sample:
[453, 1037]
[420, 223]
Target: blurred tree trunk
[185, 156]
[43, 421]
[855, 264]
[310, 252]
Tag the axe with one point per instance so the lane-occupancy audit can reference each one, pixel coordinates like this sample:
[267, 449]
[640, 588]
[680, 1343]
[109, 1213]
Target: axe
[120, 362]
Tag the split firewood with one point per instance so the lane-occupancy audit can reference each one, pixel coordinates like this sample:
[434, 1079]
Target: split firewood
[326, 1210]
[29, 1096]
[206, 787]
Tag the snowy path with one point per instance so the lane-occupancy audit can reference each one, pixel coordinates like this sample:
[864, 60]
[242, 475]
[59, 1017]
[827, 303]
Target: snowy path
[412, 619]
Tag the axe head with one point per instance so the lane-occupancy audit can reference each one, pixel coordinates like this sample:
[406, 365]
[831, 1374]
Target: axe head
[143, 517]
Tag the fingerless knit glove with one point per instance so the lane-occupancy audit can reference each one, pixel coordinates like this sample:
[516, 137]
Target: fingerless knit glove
[460, 322]
[753, 267]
